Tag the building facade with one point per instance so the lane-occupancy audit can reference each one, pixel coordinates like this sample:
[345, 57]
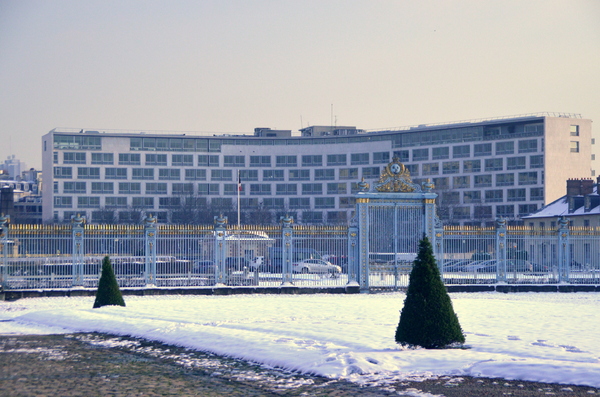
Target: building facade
[482, 169]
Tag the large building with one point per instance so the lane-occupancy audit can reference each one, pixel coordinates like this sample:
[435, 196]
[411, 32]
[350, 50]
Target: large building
[482, 169]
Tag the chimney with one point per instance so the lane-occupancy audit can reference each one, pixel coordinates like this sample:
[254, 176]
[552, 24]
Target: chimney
[573, 187]
[587, 186]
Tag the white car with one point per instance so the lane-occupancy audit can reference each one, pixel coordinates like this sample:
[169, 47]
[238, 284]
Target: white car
[315, 266]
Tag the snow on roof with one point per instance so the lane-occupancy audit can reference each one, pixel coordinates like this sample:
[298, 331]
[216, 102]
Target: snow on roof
[560, 208]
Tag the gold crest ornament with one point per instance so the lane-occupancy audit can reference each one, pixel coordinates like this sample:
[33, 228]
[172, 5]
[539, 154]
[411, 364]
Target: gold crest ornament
[396, 178]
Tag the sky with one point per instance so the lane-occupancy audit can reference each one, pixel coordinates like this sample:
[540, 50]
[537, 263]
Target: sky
[346, 336]
[230, 66]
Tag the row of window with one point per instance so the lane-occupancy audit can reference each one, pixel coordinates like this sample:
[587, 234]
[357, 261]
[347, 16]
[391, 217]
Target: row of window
[490, 196]
[486, 180]
[178, 202]
[486, 212]
[473, 166]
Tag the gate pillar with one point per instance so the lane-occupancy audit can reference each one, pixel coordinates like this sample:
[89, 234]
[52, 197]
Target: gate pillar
[564, 251]
[500, 250]
[286, 252]
[353, 253]
[4, 222]
[150, 249]
[220, 250]
[77, 232]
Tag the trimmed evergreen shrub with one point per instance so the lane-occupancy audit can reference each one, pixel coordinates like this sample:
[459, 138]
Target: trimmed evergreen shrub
[108, 289]
[428, 319]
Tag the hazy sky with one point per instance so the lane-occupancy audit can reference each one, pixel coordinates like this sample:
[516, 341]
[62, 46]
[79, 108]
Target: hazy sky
[231, 66]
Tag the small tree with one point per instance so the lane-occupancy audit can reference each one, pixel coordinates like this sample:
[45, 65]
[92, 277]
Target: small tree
[427, 319]
[108, 289]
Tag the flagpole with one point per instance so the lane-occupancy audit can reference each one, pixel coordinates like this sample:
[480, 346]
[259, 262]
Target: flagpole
[238, 198]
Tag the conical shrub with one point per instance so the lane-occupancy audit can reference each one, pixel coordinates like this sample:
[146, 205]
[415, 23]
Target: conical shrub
[428, 318]
[108, 289]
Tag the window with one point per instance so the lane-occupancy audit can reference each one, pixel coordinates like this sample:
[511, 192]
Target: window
[220, 202]
[348, 173]
[450, 167]
[54, 157]
[116, 202]
[63, 202]
[441, 183]
[574, 145]
[482, 149]
[312, 217]
[129, 188]
[420, 154]
[234, 161]
[325, 174]
[260, 189]
[505, 180]
[286, 189]
[440, 153]
[536, 193]
[208, 189]
[206, 160]
[231, 189]
[156, 159]
[299, 202]
[272, 175]
[143, 202]
[413, 169]
[527, 146]
[55, 187]
[347, 202]
[574, 130]
[515, 163]
[483, 180]
[483, 211]
[461, 182]
[461, 213]
[526, 209]
[337, 217]
[195, 175]
[88, 173]
[516, 195]
[506, 211]
[142, 173]
[273, 203]
[337, 188]
[494, 196]
[286, 161]
[461, 151]
[324, 202]
[73, 158]
[129, 159]
[183, 188]
[359, 158]
[169, 202]
[336, 159]
[156, 188]
[528, 178]
[381, 158]
[221, 175]
[507, 147]
[74, 187]
[169, 174]
[312, 160]
[312, 188]
[473, 196]
[88, 202]
[367, 173]
[249, 175]
[115, 173]
[450, 197]
[249, 202]
[182, 160]
[430, 169]
[403, 155]
[299, 175]
[536, 161]
[103, 188]
[102, 158]
[472, 166]
[63, 172]
[494, 164]
[77, 142]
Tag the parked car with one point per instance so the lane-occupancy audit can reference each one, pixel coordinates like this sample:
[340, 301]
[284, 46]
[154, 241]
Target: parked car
[204, 267]
[315, 266]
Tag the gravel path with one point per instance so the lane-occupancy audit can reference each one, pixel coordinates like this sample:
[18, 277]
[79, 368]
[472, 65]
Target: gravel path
[105, 365]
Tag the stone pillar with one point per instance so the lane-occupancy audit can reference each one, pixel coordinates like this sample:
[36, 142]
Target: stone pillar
[501, 250]
[77, 222]
[4, 222]
[220, 250]
[150, 230]
[353, 254]
[286, 251]
[362, 205]
[564, 250]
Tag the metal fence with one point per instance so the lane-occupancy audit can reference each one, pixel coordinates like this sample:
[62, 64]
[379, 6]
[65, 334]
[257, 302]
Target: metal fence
[68, 256]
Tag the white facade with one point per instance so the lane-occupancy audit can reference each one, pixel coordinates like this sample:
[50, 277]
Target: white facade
[482, 169]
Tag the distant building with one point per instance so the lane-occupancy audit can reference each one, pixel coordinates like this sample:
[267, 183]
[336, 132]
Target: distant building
[482, 169]
[13, 167]
[580, 204]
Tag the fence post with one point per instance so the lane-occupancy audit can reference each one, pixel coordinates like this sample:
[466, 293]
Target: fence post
[500, 249]
[77, 222]
[362, 214]
[286, 252]
[4, 222]
[220, 250]
[150, 251]
[353, 255]
[439, 245]
[564, 249]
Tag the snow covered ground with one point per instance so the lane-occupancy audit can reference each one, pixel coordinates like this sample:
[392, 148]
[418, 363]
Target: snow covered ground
[546, 337]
